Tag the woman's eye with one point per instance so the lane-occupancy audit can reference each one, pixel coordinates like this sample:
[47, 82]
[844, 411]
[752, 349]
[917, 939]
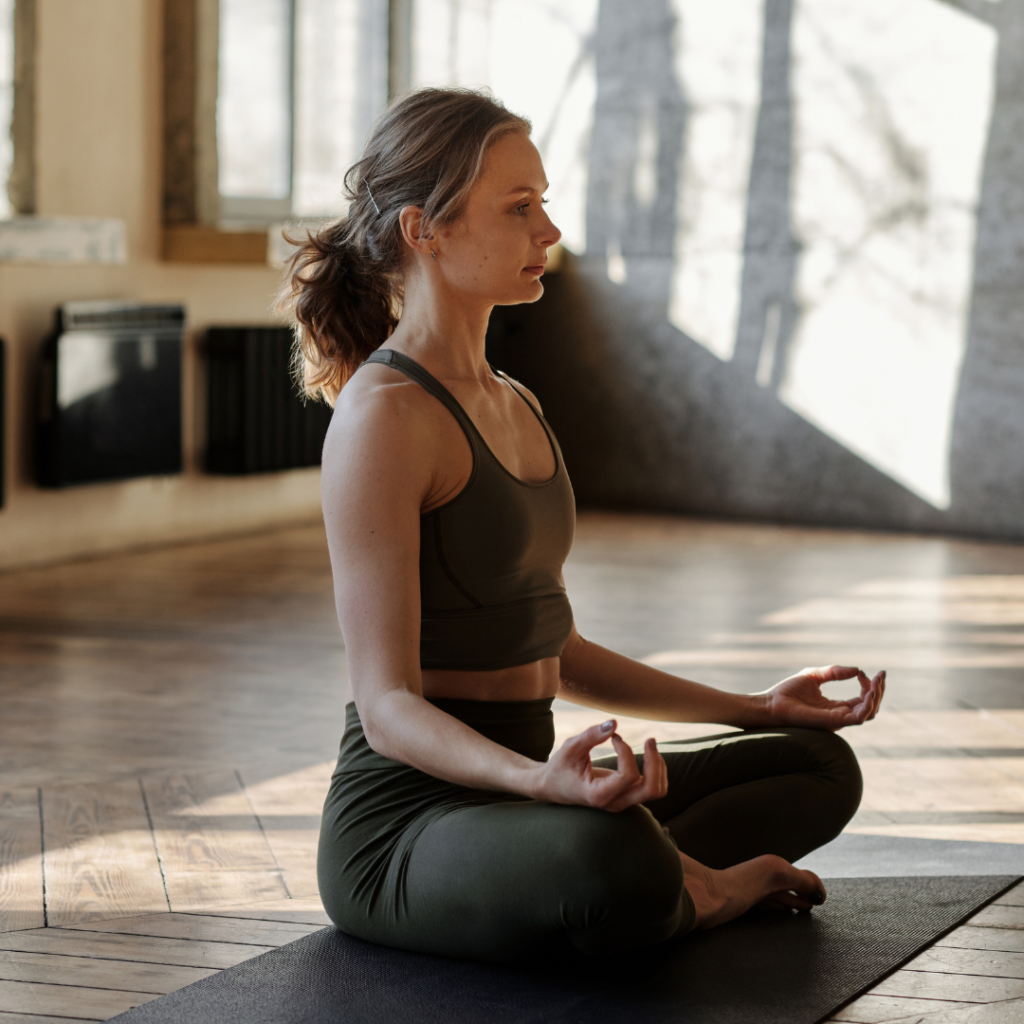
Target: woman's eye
[524, 206]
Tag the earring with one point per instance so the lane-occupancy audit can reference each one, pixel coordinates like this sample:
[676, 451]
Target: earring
[433, 255]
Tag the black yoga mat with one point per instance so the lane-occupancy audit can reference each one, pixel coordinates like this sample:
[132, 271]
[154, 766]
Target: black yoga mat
[761, 969]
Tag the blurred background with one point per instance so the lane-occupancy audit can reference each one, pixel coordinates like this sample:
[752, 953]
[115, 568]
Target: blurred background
[789, 294]
[790, 286]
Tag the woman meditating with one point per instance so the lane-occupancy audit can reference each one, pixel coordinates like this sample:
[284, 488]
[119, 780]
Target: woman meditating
[451, 827]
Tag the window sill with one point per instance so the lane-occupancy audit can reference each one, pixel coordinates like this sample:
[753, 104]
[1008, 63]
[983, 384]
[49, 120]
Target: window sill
[190, 243]
[63, 240]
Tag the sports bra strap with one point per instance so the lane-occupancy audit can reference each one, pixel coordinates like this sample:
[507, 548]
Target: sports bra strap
[412, 369]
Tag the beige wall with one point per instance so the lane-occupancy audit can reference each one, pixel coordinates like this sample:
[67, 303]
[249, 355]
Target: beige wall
[98, 139]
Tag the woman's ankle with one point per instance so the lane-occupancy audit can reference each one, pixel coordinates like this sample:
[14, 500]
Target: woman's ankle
[720, 896]
[702, 884]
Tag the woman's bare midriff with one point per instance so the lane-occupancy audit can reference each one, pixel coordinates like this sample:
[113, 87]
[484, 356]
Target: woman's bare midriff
[537, 680]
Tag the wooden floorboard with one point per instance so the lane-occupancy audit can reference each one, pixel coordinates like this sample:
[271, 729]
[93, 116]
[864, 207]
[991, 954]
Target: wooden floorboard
[99, 856]
[21, 861]
[1009, 1011]
[258, 932]
[8, 1017]
[875, 1009]
[1012, 897]
[998, 916]
[179, 711]
[68, 1000]
[966, 988]
[971, 937]
[987, 963]
[87, 972]
[300, 910]
[288, 809]
[212, 848]
[140, 948]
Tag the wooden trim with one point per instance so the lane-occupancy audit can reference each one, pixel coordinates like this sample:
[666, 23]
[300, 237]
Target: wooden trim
[179, 112]
[190, 188]
[190, 243]
[21, 185]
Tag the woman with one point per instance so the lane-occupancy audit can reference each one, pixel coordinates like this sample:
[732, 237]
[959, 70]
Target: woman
[448, 827]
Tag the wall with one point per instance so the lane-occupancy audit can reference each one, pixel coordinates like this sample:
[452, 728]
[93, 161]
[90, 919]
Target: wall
[802, 291]
[742, 156]
[98, 138]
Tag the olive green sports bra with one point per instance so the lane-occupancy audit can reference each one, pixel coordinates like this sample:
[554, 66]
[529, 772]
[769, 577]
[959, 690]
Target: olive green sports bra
[491, 588]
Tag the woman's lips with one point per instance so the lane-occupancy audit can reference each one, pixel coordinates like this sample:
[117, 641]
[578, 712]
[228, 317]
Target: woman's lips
[537, 268]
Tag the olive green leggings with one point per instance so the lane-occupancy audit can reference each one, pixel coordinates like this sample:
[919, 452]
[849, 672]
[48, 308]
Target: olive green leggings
[411, 861]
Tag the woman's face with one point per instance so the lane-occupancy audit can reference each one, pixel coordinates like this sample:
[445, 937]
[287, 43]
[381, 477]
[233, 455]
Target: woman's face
[497, 250]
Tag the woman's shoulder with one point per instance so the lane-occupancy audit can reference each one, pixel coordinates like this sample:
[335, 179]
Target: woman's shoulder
[380, 409]
[378, 391]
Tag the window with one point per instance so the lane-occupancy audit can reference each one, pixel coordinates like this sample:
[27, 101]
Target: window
[299, 84]
[537, 57]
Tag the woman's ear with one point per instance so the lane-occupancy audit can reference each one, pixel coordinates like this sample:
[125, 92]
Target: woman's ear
[415, 232]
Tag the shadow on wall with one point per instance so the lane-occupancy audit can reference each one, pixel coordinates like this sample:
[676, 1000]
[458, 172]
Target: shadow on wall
[650, 417]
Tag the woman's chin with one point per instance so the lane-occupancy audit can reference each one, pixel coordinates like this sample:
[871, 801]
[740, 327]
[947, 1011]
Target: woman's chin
[529, 291]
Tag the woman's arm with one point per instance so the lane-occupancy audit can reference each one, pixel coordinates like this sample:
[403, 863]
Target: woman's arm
[599, 678]
[381, 464]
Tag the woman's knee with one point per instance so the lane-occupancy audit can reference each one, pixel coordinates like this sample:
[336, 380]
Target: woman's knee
[832, 760]
[628, 887]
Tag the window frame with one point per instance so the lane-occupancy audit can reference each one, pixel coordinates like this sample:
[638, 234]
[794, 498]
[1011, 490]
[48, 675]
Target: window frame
[264, 210]
[198, 226]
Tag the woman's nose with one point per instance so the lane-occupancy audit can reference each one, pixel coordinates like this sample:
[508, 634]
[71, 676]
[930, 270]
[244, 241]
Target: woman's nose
[550, 234]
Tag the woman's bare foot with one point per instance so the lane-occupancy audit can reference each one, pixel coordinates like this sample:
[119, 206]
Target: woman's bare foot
[719, 896]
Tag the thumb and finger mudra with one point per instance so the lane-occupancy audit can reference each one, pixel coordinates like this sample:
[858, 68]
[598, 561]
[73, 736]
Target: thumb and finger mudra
[625, 785]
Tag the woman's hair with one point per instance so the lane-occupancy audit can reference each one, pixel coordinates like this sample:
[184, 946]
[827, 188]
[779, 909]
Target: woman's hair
[343, 285]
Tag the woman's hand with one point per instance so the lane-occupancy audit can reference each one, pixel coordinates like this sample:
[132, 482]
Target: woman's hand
[799, 701]
[569, 777]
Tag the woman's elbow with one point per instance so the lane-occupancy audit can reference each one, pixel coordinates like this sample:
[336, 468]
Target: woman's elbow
[378, 716]
[376, 733]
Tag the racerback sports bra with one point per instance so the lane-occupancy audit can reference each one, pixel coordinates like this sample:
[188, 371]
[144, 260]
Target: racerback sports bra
[491, 588]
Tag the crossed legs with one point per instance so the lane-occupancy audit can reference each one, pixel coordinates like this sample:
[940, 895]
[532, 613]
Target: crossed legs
[498, 881]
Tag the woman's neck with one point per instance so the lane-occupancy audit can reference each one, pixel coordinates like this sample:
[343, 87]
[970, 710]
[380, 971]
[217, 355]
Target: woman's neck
[445, 334]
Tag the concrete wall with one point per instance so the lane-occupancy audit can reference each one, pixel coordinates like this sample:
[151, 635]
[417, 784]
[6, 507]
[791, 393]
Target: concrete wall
[872, 371]
[98, 138]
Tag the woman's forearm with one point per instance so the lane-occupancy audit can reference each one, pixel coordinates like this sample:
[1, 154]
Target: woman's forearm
[599, 678]
[401, 725]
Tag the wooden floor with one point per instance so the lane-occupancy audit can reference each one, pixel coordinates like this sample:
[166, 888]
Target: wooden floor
[169, 720]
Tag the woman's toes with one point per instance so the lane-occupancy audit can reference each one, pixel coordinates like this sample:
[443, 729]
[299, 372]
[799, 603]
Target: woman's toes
[787, 901]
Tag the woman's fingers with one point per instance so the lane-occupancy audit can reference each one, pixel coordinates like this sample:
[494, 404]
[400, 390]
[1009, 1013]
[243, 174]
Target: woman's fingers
[627, 767]
[835, 673]
[879, 693]
[651, 785]
[865, 707]
[659, 779]
[873, 698]
[585, 741]
[612, 790]
[606, 788]
[655, 777]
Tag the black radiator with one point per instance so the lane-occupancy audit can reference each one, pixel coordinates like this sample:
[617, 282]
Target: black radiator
[110, 393]
[256, 419]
